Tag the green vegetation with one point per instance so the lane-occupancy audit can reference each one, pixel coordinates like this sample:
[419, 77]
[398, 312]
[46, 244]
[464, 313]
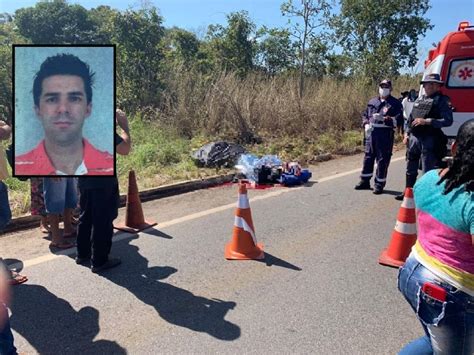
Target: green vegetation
[284, 91]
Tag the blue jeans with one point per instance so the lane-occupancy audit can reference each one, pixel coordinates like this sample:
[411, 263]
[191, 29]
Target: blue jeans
[6, 336]
[5, 212]
[449, 325]
[59, 194]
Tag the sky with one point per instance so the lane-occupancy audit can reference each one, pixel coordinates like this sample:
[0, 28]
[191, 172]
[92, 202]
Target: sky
[196, 15]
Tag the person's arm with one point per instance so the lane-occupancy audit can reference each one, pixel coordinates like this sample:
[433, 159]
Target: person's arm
[4, 292]
[367, 113]
[446, 114]
[395, 112]
[124, 147]
[398, 111]
[5, 131]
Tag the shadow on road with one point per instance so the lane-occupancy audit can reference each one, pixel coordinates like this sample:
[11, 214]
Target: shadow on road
[271, 260]
[52, 326]
[175, 305]
[156, 233]
[391, 192]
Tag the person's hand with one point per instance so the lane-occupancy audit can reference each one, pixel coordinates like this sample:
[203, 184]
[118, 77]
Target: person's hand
[419, 122]
[121, 119]
[405, 139]
[388, 120]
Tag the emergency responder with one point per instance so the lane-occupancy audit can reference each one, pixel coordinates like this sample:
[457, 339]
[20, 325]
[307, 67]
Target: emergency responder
[379, 121]
[426, 140]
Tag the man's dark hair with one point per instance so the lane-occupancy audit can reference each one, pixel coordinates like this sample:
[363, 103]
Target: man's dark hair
[63, 64]
[462, 169]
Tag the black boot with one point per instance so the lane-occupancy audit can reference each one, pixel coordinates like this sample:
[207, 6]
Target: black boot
[378, 189]
[363, 185]
[410, 182]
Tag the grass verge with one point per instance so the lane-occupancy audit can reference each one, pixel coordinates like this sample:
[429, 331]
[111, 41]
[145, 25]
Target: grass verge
[160, 156]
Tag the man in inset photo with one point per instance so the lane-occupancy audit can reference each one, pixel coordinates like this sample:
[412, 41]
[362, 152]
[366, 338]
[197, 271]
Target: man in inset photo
[62, 96]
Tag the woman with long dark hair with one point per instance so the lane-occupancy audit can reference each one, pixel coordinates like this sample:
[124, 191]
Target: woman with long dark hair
[438, 276]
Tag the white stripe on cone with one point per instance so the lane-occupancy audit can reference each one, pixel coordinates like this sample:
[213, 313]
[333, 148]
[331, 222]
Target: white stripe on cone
[243, 201]
[408, 202]
[241, 223]
[405, 228]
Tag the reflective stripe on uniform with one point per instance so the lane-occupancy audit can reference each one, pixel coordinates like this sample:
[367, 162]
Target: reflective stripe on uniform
[380, 125]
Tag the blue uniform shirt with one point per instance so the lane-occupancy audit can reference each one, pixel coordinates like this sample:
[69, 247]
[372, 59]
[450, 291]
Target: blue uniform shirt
[389, 107]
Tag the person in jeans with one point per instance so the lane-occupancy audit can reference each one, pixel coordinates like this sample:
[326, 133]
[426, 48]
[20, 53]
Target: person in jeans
[14, 278]
[437, 279]
[60, 197]
[37, 203]
[6, 276]
[6, 336]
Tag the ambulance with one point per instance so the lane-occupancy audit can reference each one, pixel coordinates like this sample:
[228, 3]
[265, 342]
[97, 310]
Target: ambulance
[453, 59]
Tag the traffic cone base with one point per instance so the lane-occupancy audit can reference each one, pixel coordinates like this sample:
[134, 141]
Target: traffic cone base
[403, 236]
[399, 259]
[256, 254]
[134, 219]
[384, 259]
[135, 229]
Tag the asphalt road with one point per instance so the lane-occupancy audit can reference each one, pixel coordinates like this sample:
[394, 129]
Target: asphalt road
[319, 290]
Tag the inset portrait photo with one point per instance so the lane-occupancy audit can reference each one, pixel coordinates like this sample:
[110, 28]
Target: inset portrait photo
[64, 110]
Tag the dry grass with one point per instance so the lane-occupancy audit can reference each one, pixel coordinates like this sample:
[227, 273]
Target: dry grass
[230, 107]
[197, 109]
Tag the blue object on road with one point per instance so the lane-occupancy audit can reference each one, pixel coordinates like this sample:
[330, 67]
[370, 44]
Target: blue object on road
[294, 180]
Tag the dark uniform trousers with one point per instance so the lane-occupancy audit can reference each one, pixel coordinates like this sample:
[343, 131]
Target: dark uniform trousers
[378, 147]
[421, 147]
[99, 208]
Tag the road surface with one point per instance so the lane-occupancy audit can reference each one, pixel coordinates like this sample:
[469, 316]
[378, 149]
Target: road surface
[320, 289]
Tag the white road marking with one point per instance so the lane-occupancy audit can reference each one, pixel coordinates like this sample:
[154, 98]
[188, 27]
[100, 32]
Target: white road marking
[122, 235]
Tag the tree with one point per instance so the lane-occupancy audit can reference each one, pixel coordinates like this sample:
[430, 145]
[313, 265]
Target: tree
[338, 66]
[232, 47]
[139, 35]
[56, 22]
[313, 14]
[317, 57]
[276, 52]
[103, 18]
[8, 36]
[381, 37]
[182, 46]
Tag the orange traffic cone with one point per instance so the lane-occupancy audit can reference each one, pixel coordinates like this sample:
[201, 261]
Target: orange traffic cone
[243, 245]
[134, 220]
[404, 234]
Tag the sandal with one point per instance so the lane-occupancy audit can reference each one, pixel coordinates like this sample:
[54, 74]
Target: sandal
[45, 230]
[62, 245]
[16, 278]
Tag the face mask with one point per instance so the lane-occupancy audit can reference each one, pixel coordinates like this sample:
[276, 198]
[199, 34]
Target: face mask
[384, 92]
